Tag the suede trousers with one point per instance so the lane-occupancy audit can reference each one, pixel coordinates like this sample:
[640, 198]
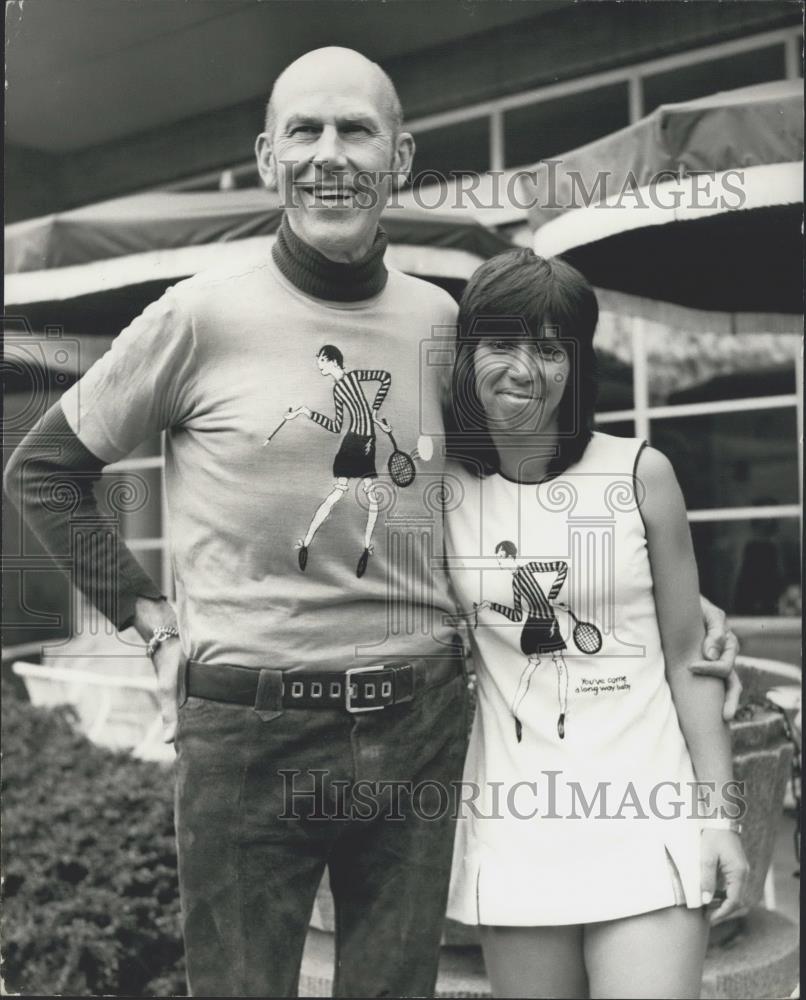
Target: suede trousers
[267, 797]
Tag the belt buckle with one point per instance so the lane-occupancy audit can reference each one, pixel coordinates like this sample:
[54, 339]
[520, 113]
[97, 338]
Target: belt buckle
[348, 694]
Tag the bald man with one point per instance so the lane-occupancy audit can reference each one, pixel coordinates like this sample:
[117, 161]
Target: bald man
[280, 682]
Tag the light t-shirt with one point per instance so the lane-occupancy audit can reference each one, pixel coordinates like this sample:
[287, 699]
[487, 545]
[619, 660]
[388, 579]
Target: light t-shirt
[216, 363]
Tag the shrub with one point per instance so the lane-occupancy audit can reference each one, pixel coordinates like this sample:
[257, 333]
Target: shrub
[90, 894]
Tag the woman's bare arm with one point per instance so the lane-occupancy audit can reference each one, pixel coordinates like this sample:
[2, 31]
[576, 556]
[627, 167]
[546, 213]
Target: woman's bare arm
[698, 699]
[677, 599]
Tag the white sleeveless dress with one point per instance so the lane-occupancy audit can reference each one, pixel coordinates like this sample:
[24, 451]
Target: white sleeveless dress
[596, 824]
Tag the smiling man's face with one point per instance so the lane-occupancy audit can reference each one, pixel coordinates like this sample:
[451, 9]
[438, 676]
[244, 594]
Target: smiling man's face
[332, 148]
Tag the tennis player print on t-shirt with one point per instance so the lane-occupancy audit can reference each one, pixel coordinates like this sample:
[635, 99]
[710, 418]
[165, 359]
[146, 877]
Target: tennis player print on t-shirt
[355, 458]
[541, 630]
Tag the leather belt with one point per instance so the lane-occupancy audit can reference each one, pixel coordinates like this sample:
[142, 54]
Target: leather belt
[360, 689]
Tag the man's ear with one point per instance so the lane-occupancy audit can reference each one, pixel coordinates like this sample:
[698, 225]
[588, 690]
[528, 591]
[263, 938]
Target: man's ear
[403, 159]
[266, 163]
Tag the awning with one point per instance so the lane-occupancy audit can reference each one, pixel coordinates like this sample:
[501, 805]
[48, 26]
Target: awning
[699, 203]
[161, 236]
[748, 127]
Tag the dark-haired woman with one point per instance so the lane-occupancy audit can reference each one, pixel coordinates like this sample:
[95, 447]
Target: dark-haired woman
[584, 859]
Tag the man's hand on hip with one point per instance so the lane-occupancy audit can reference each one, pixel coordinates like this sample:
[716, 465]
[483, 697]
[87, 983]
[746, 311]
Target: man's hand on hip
[720, 649]
[168, 658]
[168, 662]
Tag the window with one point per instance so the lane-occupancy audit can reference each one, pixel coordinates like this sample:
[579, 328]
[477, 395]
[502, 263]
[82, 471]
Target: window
[452, 148]
[721, 403]
[688, 82]
[739, 459]
[548, 128]
[751, 567]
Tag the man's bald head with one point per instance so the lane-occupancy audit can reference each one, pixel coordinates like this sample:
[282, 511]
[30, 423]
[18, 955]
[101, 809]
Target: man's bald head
[333, 146]
[339, 62]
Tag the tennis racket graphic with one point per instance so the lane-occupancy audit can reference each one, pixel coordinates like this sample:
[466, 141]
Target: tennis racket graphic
[587, 637]
[400, 465]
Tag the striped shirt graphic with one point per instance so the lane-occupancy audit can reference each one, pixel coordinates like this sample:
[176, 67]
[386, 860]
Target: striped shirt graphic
[526, 590]
[347, 394]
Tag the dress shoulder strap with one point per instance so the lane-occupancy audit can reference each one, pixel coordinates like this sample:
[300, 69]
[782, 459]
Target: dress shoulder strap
[608, 472]
[608, 453]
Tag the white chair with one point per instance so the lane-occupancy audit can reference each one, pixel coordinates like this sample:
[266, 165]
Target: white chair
[121, 713]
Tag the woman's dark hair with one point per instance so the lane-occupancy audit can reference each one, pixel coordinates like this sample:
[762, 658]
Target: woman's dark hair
[518, 294]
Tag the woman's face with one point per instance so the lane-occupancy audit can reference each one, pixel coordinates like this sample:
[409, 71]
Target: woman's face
[520, 382]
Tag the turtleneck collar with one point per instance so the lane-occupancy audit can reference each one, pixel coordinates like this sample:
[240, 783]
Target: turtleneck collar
[322, 278]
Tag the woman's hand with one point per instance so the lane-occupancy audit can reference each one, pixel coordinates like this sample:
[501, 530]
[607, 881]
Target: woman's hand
[481, 607]
[293, 412]
[723, 862]
[383, 423]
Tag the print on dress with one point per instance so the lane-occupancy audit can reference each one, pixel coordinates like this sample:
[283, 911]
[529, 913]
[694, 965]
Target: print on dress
[355, 458]
[541, 630]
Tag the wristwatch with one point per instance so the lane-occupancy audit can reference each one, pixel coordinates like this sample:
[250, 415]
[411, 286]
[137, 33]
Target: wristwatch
[158, 636]
[721, 823]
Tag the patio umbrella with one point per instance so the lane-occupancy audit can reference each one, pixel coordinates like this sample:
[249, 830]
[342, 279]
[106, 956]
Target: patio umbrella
[699, 203]
[164, 236]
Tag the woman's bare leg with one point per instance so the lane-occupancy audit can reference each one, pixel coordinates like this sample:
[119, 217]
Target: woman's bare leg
[657, 954]
[535, 961]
